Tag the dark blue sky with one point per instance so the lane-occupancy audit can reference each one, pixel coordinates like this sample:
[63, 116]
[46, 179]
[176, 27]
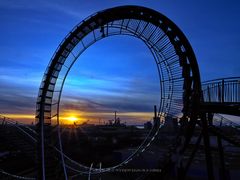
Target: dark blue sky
[31, 31]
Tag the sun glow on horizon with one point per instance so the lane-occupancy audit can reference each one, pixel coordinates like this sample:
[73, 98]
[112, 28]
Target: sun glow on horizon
[72, 118]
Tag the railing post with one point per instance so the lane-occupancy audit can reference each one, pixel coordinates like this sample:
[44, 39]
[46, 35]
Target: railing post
[210, 115]
[223, 91]
[219, 92]
[208, 91]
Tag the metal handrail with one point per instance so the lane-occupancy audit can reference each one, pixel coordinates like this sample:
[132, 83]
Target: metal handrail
[224, 90]
[220, 79]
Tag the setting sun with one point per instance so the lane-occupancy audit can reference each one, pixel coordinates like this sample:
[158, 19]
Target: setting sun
[72, 118]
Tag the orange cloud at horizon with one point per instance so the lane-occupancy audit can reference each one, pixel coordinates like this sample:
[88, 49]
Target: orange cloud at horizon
[23, 118]
[95, 117]
[71, 116]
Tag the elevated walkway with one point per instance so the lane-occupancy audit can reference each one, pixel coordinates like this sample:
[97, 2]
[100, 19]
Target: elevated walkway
[221, 96]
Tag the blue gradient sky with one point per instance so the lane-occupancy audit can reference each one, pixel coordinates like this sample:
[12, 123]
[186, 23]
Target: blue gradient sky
[31, 31]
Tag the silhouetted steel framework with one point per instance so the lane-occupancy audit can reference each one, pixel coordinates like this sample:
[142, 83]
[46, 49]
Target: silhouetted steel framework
[178, 77]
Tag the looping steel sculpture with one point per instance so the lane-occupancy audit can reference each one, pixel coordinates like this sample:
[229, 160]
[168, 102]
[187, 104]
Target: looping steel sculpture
[178, 72]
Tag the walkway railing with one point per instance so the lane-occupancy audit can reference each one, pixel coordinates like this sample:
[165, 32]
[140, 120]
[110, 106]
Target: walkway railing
[225, 90]
[219, 121]
[23, 128]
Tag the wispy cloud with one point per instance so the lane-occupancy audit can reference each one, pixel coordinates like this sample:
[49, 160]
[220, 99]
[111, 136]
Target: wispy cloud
[62, 6]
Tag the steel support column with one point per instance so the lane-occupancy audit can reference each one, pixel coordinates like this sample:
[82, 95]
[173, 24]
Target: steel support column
[222, 169]
[207, 147]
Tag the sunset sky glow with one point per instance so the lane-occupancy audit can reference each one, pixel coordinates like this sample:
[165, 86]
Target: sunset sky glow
[115, 74]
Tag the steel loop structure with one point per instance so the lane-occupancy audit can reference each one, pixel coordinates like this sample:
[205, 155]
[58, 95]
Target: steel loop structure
[180, 85]
[200, 108]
